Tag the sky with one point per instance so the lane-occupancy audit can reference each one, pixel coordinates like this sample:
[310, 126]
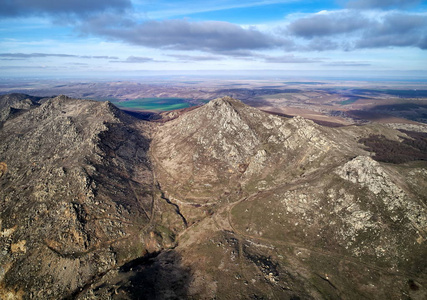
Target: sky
[125, 37]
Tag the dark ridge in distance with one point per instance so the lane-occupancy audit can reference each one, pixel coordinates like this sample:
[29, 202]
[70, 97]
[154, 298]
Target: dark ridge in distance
[319, 122]
[414, 93]
[143, 115]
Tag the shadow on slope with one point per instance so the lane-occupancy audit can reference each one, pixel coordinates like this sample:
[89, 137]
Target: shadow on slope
[158, 275]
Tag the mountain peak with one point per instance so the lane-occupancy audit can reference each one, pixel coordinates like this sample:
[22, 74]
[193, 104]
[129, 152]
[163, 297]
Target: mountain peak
[224, 104]
[227, 100]
[62, 98]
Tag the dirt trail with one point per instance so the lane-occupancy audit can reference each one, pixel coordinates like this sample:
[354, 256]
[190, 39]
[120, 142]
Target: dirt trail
[319, 251]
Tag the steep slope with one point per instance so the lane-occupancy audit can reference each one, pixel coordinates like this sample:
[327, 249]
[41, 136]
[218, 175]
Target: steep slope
[18, 101]
[76, 197]
[13, 104]
[225, 142]
[290, 208]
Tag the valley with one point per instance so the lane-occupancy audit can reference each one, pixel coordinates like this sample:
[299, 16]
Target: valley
[214, 201]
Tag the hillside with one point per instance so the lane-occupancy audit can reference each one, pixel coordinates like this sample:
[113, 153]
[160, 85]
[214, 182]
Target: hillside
[222, 201]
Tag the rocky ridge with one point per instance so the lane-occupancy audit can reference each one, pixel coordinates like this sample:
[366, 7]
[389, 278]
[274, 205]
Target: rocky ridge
[13, 104]
[76, 196]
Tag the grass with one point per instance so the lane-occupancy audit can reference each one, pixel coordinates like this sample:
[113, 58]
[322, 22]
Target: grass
[157, 104]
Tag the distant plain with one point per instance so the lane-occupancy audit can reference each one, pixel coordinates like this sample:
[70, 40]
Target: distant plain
[329, 102]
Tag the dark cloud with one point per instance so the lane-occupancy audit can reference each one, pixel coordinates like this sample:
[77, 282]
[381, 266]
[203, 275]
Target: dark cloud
[99, 57]
[400, 23]
[208, 36]
[240, 54]
[136, 60]
[340, 30]
[34, 55]
[347, 64]
[395, 30]
[77, 64]
[350, 30]
[328, 24]
[391, 40]
[184, 57]
[289, 59]
[39, 55]
[15, 8]
[12, 58]
[382, 4]
[322, 44]
[422, 43]
[25, 67]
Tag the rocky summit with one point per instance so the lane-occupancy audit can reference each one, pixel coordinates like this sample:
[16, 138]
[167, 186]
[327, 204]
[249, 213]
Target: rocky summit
[220, 202]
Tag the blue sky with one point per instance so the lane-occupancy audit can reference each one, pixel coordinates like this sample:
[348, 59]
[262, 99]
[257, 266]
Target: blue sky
[98, 37]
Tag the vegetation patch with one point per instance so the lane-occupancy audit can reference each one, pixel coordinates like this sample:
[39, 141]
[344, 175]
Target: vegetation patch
[3, 168]
[409, 149]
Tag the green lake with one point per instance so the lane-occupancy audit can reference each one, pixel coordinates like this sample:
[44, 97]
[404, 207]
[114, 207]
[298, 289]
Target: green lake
[158, 104]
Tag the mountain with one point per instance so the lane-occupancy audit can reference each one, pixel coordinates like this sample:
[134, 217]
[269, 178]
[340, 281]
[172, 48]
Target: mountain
[222, 201]
[13, 104]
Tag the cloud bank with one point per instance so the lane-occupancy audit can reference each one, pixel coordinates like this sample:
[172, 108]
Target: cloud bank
[17, 8]
[346, 30]
[328, 24]
[381, 4]
[357, 25]
[208, 36]
[40, 55]
[351, 30]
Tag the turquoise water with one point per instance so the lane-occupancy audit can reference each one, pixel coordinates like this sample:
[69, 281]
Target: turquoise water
[159, 104]
[349, 101]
